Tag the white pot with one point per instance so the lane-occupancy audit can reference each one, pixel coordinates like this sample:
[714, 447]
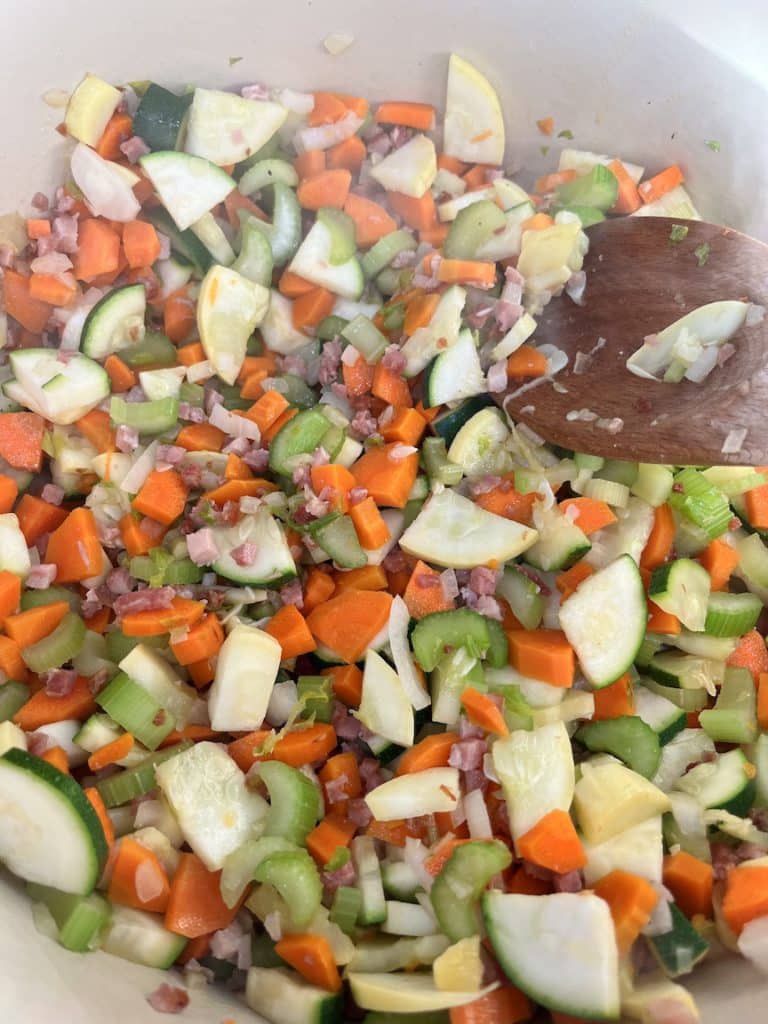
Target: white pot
[650, 81]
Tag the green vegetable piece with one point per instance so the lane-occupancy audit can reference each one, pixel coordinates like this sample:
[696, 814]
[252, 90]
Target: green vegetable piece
[254, 260]
[135, 782]
[345, 908]
[153, 350]
[440, 632]
[316, 692]
[341, 228]
[598, 188]
[300, 436]
[457, 889]
[626, 737]
[297, 880]
[79, 919]
[136, 710]
[733, 719]
[147, 417]
[13, 695]
[678, 233]
[473, 226]
[701, 252]
[330, 328]
[294, 802]
[61, 645]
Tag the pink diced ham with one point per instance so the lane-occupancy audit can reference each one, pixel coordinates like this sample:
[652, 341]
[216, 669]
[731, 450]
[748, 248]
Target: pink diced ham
[168, 999]
[41, 576]
[201, 546]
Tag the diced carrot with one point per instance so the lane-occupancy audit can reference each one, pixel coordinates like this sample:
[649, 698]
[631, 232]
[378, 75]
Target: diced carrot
[75, 548]
[441, 854]
[411, 115]
[313, 958]
[657, 186]
[292, 285]
[527, 362]
[347, 683]
[660, 621]
[196, 949]
[615, 700]
[38, 228]
[140, 243]
[328, 188]
[628, 199]
[549, 182]
[328, 109]
[591, 514]
[537, 222]
[304, 746]
[94, 799]
[435, 235]
[202, 672]
[308, 310]
[450, 163]
[9, 492]
[504, 500]
[119, 129]
[504, 1005]
[318, 587]
[308, 164]
[659, 543]
[195, 905]
[10, 593]
[406, 426]
[372, 221]
[11, 662]
[719, 559]
[357, 104]
[98, 250]
[111, 752]
[182, 612]
[121, 376]
[553, 843]
[543, 654]
[750, 653]
[431, 752]
[478, 273]
[349, 621]
[419, 214]
[390, 387]
[476, 177]
[237, 468]
[201, 437]
[746, 896]
[162, 496]
[96, 427]
[21, 437]
[342, 769]
[567, 582]
[349, 154]
[179, 318]
[190, 353]
[372, 531]
[631, 900]
[42, 710]
[140, 535]
[388, 480]
[31, 313]
[57, 757]
[236, 202]
[394, 833]
[420, 311]
[762, 701]
[336, 478]
[357, 377]
[98, 622]
[482, 711]
[546, 125]
[55, 289]
[325, 839]
[424, 593]
[369, 577]
[690, 882]
[202, 640]
[289, 627]
[29, 626]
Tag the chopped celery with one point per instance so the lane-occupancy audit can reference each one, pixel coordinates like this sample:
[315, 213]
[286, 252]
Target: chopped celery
[297, 880]
[381, 254]
[316, 693]
[443, 631]
[79, 919]
[345, 908]
[524, 597]
[619, 471]
[598, 188]
[732, 614]
[153, 350]
[733, 719]
[263, 952]
[341, 229]
[331, 327]
[300, 436]
[338, 538]
[294, 801]
[131, 706]
[147, 417]
[118, 644]
[36, 598]
[265, 173]
[240, 865]
[294, 390]
[626, 737]
[192, 394]
[458, 887]
[393, 317]
[254, 260]
[701, 502]
[152, 567]
[59, 647]
[135, 782]
[438, 465]
[473, 226]
[182, 571]
[365, 336]
[13, 695]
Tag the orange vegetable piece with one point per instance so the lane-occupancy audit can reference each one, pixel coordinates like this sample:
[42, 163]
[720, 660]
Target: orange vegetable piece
[478, 273]
[96, 427]
[628, 199]
[98, 250]
[201, 437]
[592, 515]
[615, 700]
[9, 492]
[41, 709]
[719, 559]
[357, 377]
[504, 500]
[138, 878]
[419, 214]
[140, 243]
[527, 362]
[162, 497]
[746, 896]
[182, 612]
[121, 376]
[328, 109]
[309, 309]
[431, 752]
[420, 311]
[267, 410]
[482, 711]
[31, 313]
[659, 544]
[390, 387]
[347, 684]
[750, 653]
[140, 535]
[349, 154]
[312, 957]
[179, 318]
[38, 227]
[52, 289]
[567, 582]
[690, 882]
[94, 799]
[553, 843]
[372, 530]
[549, 182]
[11, 662]
[327, 189]
[305, 746]
[10, 593]
[203, 640]
[111, 752]
[57, 757]
[543, 654]
[292, 285]
[657, 186]
[424, 593]
[411, 115]
[119, 128]
[21, 433]
[75, 548]
[326, 838]
[372, 221]
[349, 621]
[505, 1005]
[306, 165]
[195, 906]
[289, 627]
[37, 517]
[337, 478]
[631, 900]
[27, 627]
[369, 577]
[388, 480]
[318, 587]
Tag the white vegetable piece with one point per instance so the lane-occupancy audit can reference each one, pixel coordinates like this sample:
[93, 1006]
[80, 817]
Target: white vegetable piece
[536, 772]
[228, 309]
[14, 555]
[215, 809]
[638, 849]
[106, 186]
[153, 674]
[440, 333]
[409, 796]
[473, 129]
[89, 109]
[226, 128]
[277, 326]
[399, 618]
[246, 670]
[11, 737]
[407, 993]
[610, 798]
[411, 169]
[385, 707]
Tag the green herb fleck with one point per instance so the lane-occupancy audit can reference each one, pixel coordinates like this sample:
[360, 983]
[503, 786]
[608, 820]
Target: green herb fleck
[234, 60]
[713, 144]
[543, 150]
[701, 252]
[566, 133]
[678, 233]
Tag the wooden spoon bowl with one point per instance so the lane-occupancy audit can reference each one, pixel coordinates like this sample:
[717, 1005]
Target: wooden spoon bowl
[638, 282]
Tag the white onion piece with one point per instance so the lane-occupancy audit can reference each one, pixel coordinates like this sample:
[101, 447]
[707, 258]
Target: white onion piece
[478, 821]
[326, 135]
[753, 943]
[140, 470]
[234, 426]
[734, 441]
[105, 186]
[399, 619]
[298, 102]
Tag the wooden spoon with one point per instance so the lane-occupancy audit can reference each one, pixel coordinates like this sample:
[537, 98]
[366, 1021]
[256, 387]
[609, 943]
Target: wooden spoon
[638, 282]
